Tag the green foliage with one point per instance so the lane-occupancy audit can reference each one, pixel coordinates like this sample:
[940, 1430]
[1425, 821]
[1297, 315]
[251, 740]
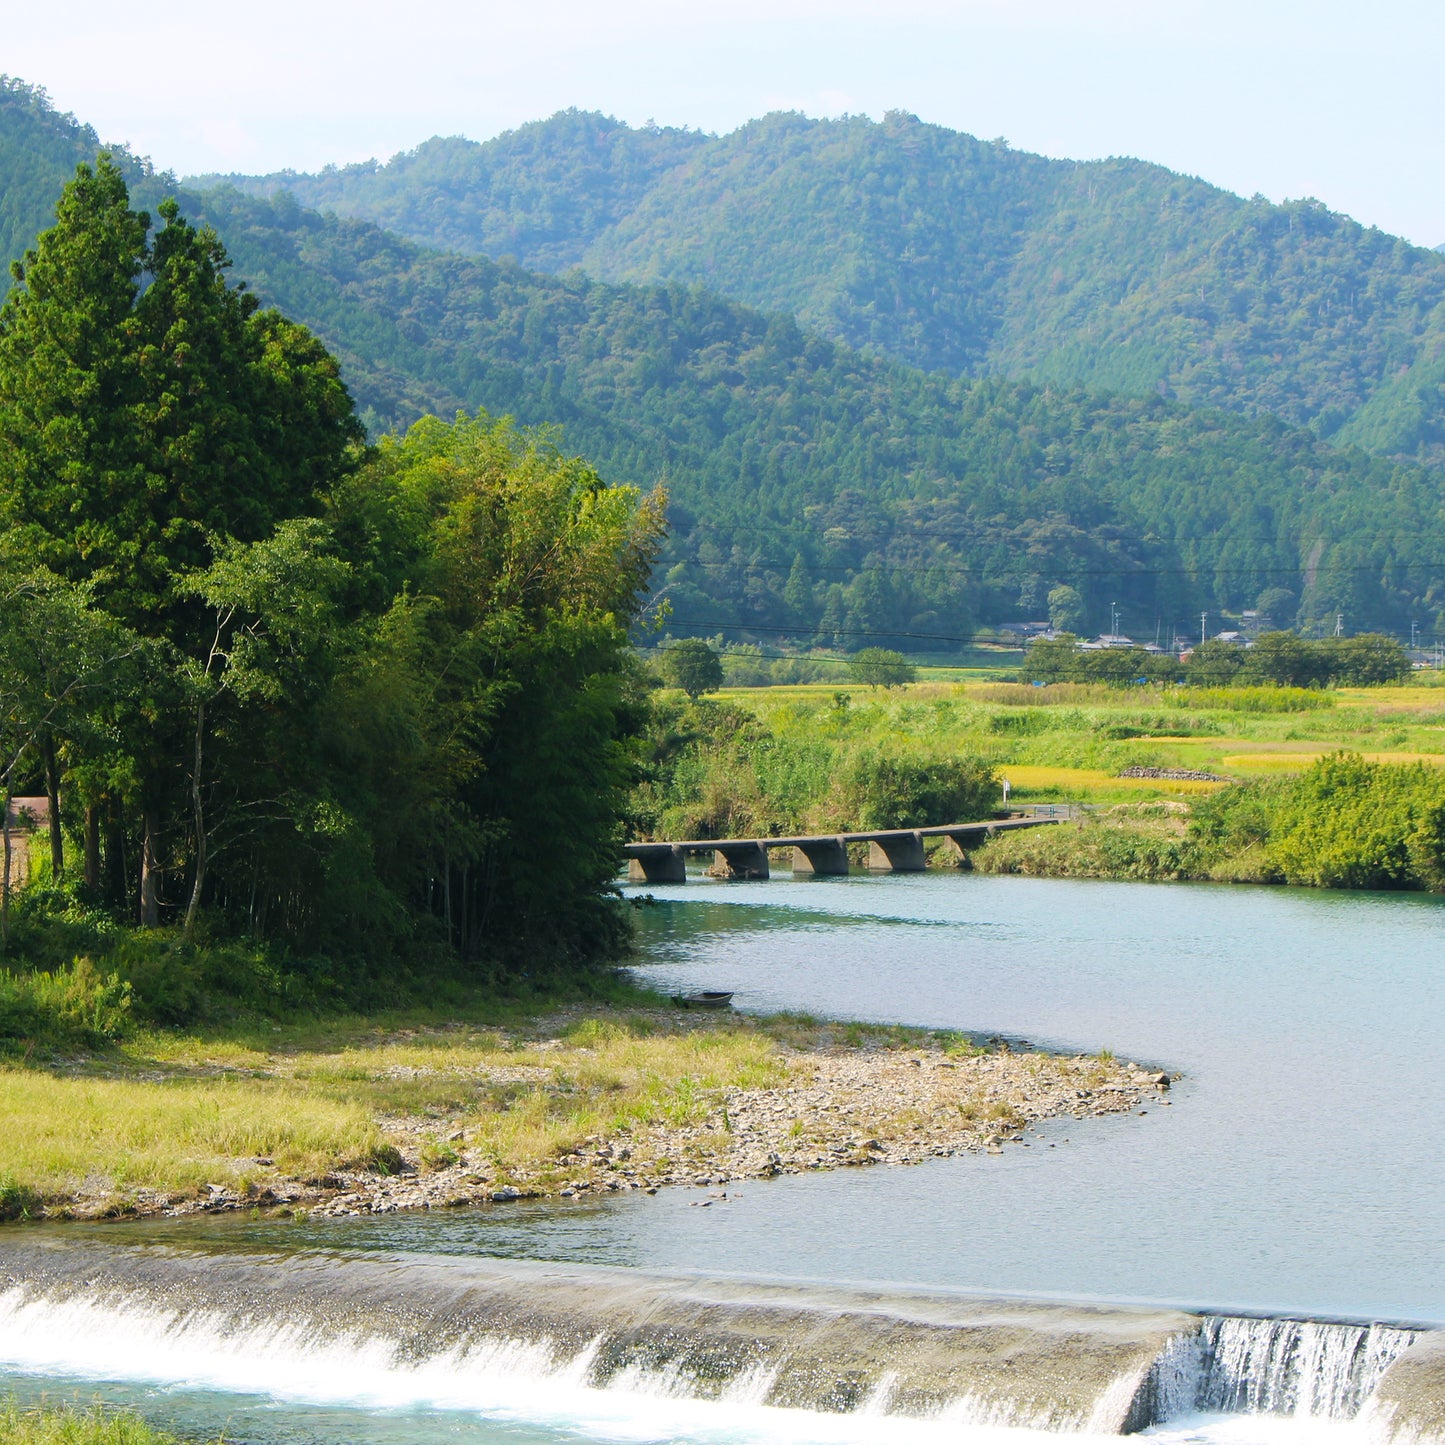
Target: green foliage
[907, 529]
[1066, 608]
[1060, 659]
[951, 253]
[693, 666]
[881, 667]
[372, 703]
[1281, 659]
[913, 504]
[1347, 823]
[67, 1007]
[717, 771]
[1136, 844]
[52, 1424]
[888, 791]
[136, 422]
[1343, 823]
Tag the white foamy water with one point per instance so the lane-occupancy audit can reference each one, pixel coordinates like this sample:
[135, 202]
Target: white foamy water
[495, 1386]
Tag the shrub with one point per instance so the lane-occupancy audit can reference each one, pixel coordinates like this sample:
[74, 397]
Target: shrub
[1348, 823]
[69, 1006]
[881, 667]
[883, 791]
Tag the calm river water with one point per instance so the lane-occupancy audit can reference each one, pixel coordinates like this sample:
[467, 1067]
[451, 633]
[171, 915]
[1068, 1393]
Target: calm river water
[1299, 1167]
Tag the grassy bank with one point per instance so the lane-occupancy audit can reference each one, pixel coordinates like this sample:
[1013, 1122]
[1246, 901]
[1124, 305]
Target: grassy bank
[1345, 822]
[76, 1425]
[387, 1112]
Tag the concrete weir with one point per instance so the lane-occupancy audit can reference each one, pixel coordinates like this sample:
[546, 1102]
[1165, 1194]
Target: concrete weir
[890, 850]
[473, 1327]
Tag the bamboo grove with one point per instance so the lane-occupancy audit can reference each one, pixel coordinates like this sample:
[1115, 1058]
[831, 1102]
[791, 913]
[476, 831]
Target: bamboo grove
[273, 679]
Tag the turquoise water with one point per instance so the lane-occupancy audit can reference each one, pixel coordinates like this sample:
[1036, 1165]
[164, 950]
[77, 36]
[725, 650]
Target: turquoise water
[1299, 1167]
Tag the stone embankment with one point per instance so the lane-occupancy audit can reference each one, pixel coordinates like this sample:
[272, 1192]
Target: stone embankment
[833, 1109]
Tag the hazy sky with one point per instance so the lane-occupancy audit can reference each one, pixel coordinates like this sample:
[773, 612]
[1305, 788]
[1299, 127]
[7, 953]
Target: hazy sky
[1343, 101]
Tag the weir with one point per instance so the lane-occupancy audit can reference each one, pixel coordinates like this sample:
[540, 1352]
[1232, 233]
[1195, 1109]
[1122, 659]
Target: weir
[430, 1327]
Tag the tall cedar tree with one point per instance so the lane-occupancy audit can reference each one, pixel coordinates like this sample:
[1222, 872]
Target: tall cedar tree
[148, 411]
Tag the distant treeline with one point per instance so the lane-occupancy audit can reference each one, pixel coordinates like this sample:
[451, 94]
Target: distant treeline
[275, 681]
[1280, 658]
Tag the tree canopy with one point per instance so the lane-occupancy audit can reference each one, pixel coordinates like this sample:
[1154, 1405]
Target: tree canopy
[345, 698]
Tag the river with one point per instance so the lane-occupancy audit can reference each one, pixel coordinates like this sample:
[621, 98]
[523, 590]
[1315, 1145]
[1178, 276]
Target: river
[1298, 1168]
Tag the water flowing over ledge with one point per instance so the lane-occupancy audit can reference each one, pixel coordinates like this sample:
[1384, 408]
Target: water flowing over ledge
[482, 1334]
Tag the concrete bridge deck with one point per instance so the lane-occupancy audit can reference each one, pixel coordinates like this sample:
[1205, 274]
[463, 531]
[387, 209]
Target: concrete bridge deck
[890, 850]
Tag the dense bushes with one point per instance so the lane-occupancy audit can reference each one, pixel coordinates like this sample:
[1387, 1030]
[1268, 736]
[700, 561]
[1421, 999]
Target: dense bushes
[1344, 823]
[718, 772]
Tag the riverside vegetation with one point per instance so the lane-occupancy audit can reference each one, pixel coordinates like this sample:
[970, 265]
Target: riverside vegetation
[1339, 788]
[76, 1424]
[352, 1115]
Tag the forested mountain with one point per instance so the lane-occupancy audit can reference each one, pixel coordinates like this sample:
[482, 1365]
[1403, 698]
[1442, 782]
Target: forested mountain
[39, 151]
[817, 487]
[821, 490]
[956, 254]
[540, 195]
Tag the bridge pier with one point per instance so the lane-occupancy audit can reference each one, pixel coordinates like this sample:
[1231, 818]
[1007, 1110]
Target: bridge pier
[900, 854]
[662, 864]
[739, 860]
[820, 857]
[957, 846]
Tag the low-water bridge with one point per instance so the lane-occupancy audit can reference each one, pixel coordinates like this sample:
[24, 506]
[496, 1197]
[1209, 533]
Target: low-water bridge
[890, 850]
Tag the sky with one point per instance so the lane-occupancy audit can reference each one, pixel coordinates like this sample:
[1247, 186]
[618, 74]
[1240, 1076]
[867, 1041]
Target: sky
[1340, 101]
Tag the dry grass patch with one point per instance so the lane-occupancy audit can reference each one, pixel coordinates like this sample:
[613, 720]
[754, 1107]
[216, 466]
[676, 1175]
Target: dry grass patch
[65, 1136]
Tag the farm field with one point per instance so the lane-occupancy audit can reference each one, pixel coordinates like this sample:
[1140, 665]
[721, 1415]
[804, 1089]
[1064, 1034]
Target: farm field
[1070, 741]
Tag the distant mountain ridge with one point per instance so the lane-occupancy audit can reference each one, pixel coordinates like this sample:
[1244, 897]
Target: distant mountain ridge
[955, 254]
[818, 490]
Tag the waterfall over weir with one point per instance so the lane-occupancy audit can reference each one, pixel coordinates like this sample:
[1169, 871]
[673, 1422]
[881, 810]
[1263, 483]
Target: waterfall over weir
[481, 1334]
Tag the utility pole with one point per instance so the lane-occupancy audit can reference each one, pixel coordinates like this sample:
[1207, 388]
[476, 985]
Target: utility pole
[1203, 624]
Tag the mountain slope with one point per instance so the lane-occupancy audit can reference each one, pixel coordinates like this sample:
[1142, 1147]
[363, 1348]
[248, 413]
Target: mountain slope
[904, 501]
[39, 151]
[817, 489]
[540, 194]
[955, 254]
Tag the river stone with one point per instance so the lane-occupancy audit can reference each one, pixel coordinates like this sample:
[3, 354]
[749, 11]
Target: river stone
[1408, 1406]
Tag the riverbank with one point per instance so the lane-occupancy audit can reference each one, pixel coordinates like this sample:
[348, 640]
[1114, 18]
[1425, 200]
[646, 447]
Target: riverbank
[362, 1118]
[77, 1424]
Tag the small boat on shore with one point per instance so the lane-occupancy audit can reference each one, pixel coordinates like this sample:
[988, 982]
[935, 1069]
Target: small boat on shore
[705, 998]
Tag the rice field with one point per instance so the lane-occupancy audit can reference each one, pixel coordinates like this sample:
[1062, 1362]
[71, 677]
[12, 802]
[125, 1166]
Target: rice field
[1069, 742]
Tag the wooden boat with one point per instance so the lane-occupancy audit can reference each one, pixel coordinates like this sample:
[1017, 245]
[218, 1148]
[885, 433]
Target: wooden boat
[704, 998]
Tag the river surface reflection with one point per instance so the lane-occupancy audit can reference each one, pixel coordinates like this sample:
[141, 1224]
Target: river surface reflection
[1300, 1166]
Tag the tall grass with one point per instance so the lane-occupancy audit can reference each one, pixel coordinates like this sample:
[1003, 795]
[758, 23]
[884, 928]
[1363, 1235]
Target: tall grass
[49, 1424]
[59, 1134]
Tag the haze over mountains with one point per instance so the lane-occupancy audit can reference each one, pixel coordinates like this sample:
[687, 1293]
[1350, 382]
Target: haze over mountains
[898, 381]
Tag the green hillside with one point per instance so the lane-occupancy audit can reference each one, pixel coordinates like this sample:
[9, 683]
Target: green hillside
[955, 254]
[39, 150]
[540, 195]
[821, 490]
[817, 487]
